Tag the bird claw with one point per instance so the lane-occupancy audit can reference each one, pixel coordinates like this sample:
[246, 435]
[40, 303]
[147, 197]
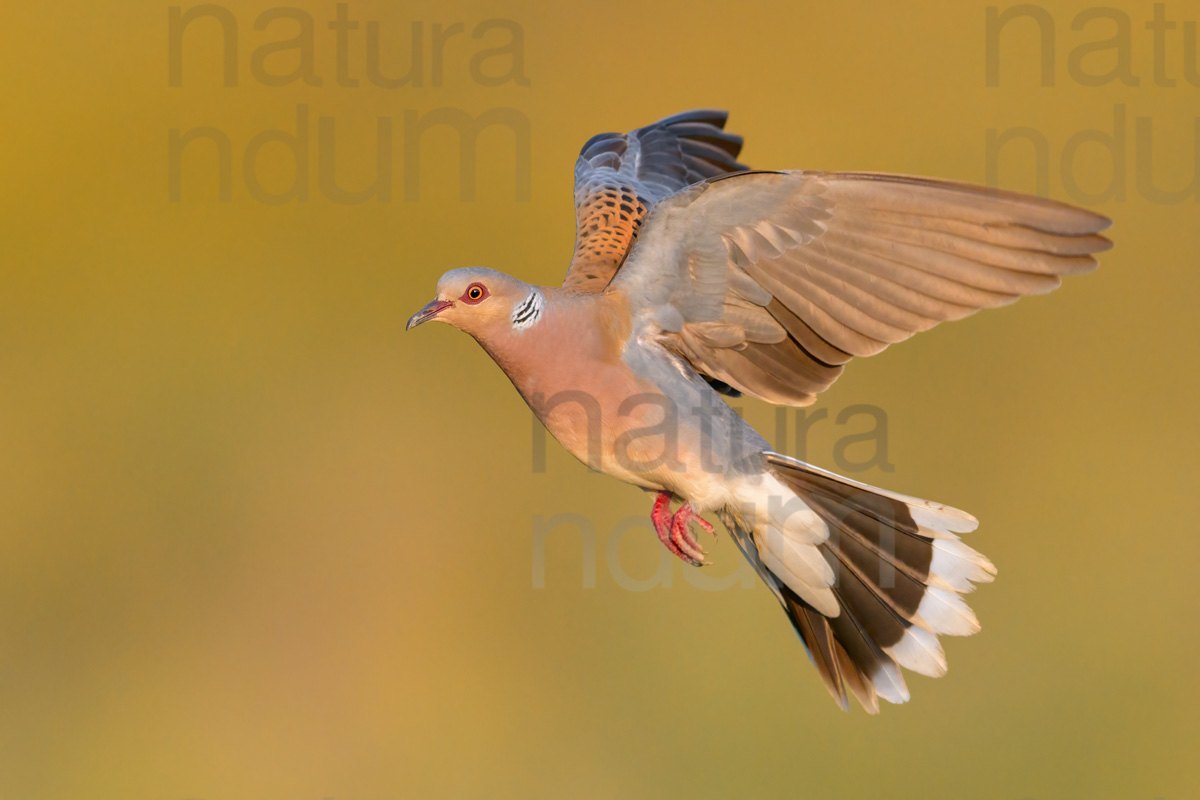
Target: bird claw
[674, 530]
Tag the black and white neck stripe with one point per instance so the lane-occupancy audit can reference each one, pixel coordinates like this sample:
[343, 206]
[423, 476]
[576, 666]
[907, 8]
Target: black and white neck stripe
[527, 312]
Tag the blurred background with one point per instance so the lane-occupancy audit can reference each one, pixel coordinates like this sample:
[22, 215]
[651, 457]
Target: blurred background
[256, 543]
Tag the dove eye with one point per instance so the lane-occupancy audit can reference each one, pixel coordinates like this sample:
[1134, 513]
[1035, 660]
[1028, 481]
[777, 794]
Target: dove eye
[475, 293]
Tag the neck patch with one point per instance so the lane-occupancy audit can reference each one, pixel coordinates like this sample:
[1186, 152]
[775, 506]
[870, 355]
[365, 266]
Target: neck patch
[527, 312]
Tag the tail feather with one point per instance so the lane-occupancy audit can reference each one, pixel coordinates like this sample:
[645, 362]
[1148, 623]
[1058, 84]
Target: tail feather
[897, 567]
[873, 664]
[818, 638]
[885, 557]
[844, 653]
[900, 570]
[860, 685]
[884, 505]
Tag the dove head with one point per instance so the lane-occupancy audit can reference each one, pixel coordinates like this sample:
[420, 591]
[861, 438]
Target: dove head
[482, 302]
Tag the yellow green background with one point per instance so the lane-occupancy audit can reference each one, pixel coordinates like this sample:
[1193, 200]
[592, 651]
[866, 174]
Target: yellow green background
[257, 543]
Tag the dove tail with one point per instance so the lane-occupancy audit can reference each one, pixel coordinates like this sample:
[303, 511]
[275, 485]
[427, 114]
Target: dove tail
[899, 572]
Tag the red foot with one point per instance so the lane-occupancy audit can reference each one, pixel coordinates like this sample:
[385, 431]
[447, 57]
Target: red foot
[682, 535]
[660, 515]
[674, 529]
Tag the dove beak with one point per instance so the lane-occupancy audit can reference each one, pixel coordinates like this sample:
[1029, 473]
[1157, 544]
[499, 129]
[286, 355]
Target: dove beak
[427, 313]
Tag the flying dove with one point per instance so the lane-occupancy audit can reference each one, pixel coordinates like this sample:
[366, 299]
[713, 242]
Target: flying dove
[694, 276]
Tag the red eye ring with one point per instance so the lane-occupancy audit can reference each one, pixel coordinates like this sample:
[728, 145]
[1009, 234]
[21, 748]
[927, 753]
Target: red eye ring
[475, 293]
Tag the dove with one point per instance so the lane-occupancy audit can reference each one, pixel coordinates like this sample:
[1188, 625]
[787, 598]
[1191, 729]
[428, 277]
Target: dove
[695, 277]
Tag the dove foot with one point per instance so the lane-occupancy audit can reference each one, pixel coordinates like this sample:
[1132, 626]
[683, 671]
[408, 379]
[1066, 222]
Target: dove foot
[674, 530]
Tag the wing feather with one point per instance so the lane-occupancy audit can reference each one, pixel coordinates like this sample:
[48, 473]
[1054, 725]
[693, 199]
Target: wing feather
[620, 177]
[844, 264]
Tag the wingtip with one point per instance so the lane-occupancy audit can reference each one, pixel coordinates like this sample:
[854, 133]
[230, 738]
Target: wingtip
[714, 116]
[1098, 222]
